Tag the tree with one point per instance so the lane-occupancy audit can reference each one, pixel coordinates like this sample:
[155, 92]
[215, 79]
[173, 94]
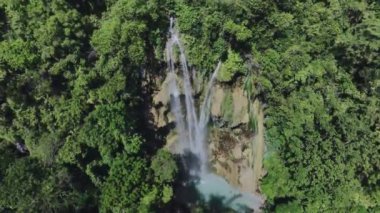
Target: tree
[28, 186]
[132, 186]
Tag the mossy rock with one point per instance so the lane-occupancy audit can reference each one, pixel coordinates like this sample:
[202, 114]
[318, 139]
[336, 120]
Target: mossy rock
[227, 107]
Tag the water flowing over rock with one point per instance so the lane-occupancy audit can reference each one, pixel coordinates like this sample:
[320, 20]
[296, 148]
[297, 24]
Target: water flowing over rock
[191, 127]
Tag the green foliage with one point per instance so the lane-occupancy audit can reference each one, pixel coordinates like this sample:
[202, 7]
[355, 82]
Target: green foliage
[227, 107]
[359, 47]
[318, 78]
[70, 88]
[289, 208]
[281, 21]
[7, 157]
[231, 67]
[125, 186]
[241, 32]
[129, 186]
[97, 142]
[164, 167]
[252, 123]
[16, 54]
[71, 92]
[167, 194]
[27, 186]
[275, 183]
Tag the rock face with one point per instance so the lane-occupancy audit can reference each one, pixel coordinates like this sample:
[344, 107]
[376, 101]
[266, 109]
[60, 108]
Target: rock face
[235, 150]
[230, 104]
[161, 104]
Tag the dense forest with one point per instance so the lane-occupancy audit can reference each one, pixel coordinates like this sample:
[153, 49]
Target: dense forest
[73, 135]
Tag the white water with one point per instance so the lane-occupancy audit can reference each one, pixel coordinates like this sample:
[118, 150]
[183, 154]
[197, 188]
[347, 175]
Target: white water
[192, 130]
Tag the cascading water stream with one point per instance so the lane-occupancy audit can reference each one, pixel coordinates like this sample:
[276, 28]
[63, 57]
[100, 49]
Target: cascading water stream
[192, 131]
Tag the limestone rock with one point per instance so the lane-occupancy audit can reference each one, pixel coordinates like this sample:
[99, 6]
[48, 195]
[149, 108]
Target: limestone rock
[240, 103]
[236, 153]
[163, 97]
[217, 100]
[240, 111]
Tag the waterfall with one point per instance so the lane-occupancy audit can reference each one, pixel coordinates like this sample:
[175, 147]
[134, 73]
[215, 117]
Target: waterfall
[192, 130]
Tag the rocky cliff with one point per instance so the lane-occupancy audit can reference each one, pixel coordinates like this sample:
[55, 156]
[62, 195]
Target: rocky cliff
[236, 131]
